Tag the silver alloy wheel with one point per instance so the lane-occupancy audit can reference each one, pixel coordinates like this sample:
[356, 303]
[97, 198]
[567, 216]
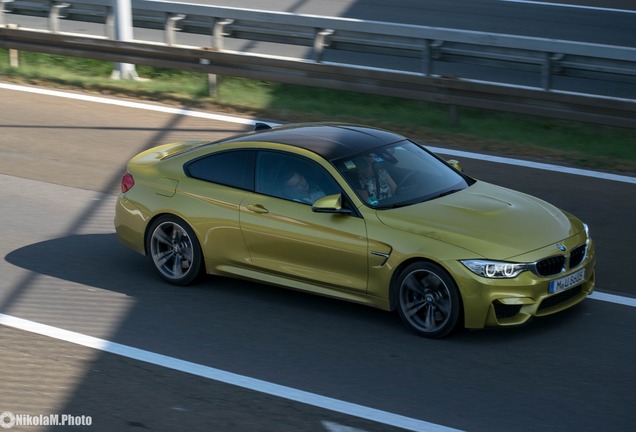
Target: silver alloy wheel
[426, 303]
[172, 251]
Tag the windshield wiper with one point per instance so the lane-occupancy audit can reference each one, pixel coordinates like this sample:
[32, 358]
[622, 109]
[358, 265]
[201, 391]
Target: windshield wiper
[452, 191]
[398, 205]
[416, 201]
[388, 207]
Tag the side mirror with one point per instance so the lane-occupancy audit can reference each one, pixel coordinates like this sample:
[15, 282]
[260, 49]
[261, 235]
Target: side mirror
[261, 126]
[455, 164]
[330, 204]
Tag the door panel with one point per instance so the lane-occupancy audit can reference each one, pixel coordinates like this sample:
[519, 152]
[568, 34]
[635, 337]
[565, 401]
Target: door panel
[287, 238]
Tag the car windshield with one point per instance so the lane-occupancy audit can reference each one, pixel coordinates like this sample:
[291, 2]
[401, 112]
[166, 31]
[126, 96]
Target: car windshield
[400, 174]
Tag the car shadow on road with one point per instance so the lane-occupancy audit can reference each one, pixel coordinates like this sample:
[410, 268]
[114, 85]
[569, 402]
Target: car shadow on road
[99, 261]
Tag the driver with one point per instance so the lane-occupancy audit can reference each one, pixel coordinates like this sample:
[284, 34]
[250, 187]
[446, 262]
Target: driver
[374, 182]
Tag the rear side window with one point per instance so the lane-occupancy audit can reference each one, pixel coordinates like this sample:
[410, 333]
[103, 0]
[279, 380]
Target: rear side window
[292, 177]
[232, 168]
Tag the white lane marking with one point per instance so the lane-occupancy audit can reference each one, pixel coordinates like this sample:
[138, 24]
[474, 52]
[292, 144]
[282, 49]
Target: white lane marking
[535, 165]
[127, 104]
[225, 377]
[239, 120]
[612, 298]
[597, 8]
[337, 427]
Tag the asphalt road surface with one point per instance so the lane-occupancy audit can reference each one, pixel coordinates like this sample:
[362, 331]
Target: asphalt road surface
[60, 164]
[611, 22]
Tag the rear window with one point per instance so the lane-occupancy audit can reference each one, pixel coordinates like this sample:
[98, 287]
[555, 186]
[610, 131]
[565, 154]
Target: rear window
[232, 168]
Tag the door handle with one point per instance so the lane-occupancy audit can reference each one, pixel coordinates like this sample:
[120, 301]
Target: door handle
[257, 208]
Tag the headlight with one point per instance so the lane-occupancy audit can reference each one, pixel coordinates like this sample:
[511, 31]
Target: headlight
[495, 269]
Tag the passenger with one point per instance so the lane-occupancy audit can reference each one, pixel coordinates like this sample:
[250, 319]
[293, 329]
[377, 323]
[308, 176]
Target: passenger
[297, 188]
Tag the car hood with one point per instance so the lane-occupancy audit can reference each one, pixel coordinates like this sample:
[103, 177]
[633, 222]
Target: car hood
[490, 221]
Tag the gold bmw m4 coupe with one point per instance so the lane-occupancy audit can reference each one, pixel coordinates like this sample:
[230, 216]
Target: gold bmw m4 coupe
[356, 213]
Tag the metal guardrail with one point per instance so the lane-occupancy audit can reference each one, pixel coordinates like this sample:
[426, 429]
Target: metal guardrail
[428, 48]
[391, 83]
[342, 34]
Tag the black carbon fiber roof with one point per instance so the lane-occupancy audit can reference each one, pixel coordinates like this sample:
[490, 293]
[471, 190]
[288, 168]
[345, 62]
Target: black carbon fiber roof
[330, 140]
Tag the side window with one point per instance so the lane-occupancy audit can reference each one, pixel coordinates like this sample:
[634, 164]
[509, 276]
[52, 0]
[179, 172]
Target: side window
[232, 168]
[292, 177]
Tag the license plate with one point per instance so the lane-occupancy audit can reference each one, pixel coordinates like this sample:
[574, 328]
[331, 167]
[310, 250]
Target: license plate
[566, 282]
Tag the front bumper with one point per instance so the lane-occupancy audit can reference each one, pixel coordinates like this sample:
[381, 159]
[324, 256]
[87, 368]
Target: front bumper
[508, 302]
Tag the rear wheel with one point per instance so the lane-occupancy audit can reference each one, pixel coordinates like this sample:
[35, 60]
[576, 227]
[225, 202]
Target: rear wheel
[175, 250]
[428, 300]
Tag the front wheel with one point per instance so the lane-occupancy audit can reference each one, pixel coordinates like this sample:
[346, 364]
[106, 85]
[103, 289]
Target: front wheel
[428, 300]
[174, 250]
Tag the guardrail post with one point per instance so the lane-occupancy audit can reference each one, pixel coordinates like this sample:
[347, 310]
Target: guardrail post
[54, 16]
[14, 54]
[213, 85]
[218, 31]
[320, 42]
[453, 115]
[548, 68]
[2, 11]
[171, 27]
[427, 58]
[124, 33]
[546, 72]
[110, 23]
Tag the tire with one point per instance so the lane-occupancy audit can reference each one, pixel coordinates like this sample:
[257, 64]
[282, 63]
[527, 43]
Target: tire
[174, 250]
[428, 300]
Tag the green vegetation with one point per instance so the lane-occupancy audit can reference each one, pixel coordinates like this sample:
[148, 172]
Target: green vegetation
[580, 144]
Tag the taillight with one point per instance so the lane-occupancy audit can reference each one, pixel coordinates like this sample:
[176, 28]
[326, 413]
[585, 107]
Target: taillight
[127, 182]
